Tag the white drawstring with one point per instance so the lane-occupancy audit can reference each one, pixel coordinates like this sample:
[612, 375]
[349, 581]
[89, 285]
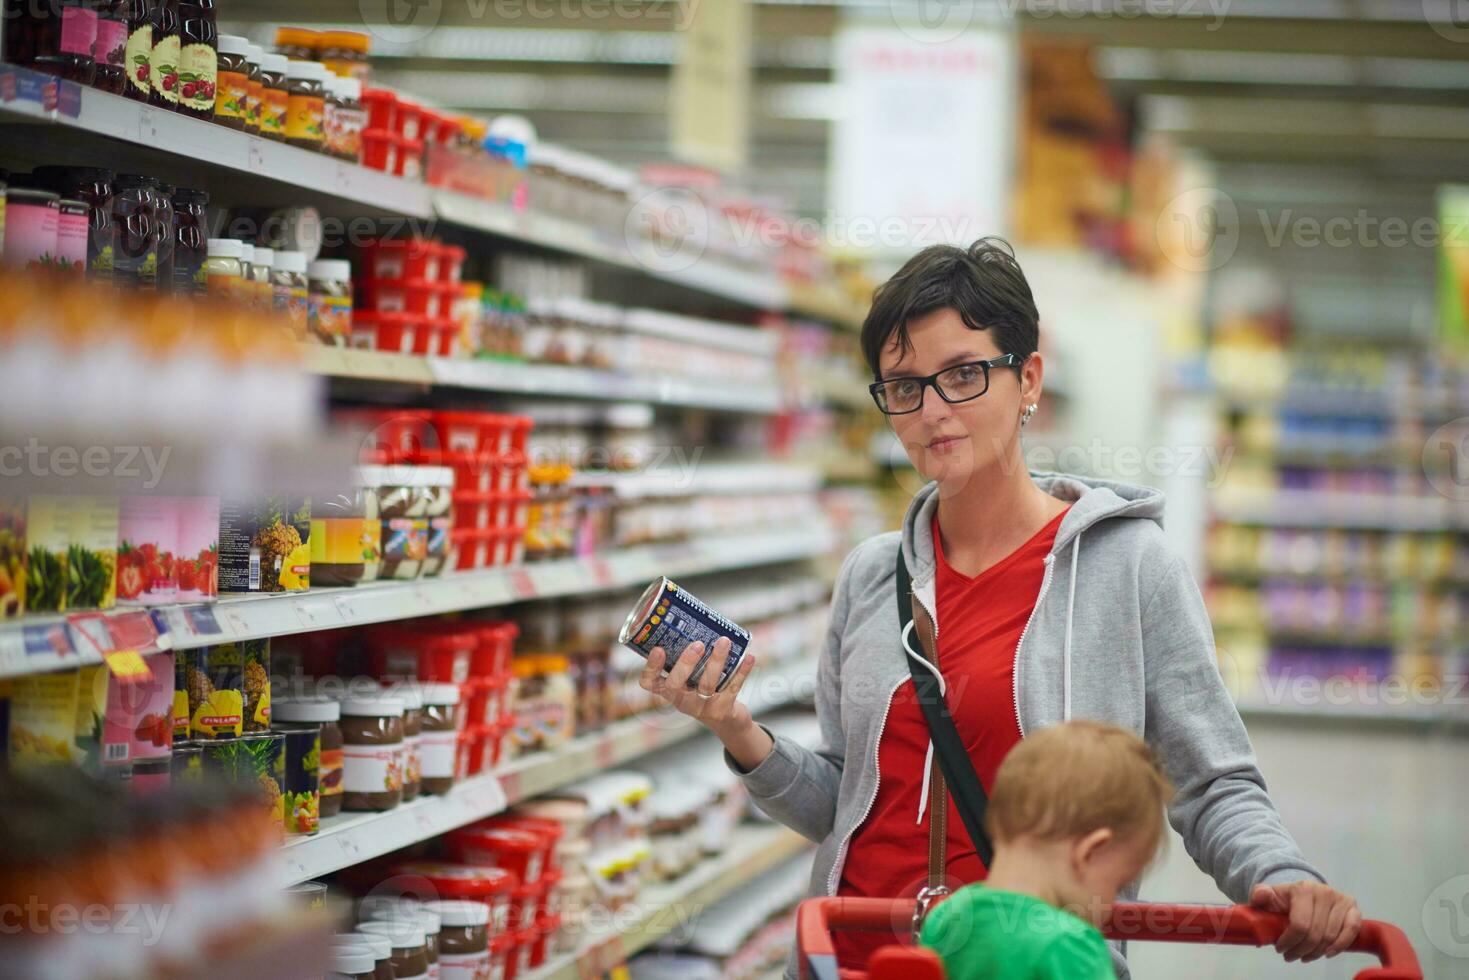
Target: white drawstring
[1066, 647]
[943, 691]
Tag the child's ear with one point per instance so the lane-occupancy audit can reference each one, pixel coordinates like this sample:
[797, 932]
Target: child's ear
[1087, 847]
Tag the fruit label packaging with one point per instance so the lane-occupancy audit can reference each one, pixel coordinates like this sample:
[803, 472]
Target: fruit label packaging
[265, 546]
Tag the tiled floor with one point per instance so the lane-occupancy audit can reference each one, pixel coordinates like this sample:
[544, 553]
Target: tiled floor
[1384, 812]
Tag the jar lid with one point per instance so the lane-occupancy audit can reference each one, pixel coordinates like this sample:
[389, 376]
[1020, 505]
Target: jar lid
[288, 261]
[226, 248]
[264, 256]
[458, 915]
[440, 693]
[254, 53]
[307, 71]
[379, 946]
[348, 89]
[233, 44]
[301, 37]
[408, 692]
[331, 270]
[275, 64]
[373, 706]
[411, 913]
[351, 40]
[305, 709]
[554, 663]
[351, 960]
[403, 935]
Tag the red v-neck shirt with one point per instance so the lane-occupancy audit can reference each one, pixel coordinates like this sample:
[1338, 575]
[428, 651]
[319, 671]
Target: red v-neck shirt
[980, 622]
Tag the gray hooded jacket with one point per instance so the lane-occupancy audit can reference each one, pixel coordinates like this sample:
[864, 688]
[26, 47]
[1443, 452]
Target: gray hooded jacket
[1119, 634]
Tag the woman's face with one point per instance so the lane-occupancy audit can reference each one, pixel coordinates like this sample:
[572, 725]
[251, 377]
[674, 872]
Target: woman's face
[949, 443]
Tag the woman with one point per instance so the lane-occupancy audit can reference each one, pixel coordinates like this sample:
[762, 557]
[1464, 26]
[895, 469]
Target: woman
[1052, 597]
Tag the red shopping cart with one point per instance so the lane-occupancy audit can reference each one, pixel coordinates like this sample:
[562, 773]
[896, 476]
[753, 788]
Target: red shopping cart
[1234, 925]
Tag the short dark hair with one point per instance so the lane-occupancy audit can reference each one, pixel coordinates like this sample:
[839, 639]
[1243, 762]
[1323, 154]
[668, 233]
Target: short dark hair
[982, 283]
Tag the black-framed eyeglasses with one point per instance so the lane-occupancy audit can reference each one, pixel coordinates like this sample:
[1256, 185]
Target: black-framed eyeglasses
[960, 383]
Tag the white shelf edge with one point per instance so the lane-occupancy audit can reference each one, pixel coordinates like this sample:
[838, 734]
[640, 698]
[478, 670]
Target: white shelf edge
[356, 837]
[258, 617]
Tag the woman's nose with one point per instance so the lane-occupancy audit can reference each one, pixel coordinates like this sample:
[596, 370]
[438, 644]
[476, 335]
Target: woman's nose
[934, 408]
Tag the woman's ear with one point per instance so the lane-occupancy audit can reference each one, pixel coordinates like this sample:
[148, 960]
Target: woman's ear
[1031, 374]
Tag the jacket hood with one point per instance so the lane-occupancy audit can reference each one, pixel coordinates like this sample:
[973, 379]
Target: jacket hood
[1092, 501]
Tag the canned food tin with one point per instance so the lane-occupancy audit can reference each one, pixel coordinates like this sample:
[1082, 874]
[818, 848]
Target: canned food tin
[262, 767]
[666, 616]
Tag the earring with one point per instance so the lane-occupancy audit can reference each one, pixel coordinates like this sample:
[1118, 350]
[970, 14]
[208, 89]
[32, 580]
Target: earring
[1029, 411]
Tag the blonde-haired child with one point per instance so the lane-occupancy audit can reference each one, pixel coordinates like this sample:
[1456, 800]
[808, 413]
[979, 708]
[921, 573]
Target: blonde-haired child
[1075, 813]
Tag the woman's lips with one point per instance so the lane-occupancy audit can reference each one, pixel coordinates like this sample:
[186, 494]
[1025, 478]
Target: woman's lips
[944, 444]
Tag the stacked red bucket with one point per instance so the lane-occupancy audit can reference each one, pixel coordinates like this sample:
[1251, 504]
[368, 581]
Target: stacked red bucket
[407, 288]
[393, 139]
[526, 847]
[486, 450]
[488, 714]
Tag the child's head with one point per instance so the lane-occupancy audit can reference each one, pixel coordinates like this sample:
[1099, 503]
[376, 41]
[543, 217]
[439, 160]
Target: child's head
[1087, 798]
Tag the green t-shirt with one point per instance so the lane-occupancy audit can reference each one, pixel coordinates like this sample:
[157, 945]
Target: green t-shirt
[984, 933]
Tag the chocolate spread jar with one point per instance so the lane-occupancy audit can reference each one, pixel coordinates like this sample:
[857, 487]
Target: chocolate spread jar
[440, 737]
[372, 752]
[464, 951]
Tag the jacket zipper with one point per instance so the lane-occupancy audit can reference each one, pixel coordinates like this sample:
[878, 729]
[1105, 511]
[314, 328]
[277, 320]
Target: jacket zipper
[1015, 667]
[836, 867]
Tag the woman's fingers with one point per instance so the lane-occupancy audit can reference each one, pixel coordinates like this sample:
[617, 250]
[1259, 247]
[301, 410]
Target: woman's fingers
[714, 668]
[684, 666]
[652, 673]
[737, 680]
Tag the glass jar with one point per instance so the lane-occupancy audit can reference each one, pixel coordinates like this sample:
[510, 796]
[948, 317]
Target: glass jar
[345, 532]
[70, 254]
[248, 295]
[254, 89]
[410, 947]
[198, 59]
[55, 37]
[329, 317]
[109, 49]
[94, 186]
[296, 42]
[306, 104]
[463, 938]
[232, 101]
[190, 240]
[325, 713]
[163, 63]
[289, 294]
[34, 219]
[412, 700]
[402, 510]
[345, 119]
[163, 214]
[352, 962]
[345, 54]
[224, 272]
[138, 15]
[372, 752]
[135, 263]
[275, 100]
[439, 511]
[263, 290]
[440, 737]
[381, 949]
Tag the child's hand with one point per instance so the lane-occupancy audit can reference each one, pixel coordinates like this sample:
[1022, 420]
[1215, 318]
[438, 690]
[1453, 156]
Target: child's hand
[1323, 921]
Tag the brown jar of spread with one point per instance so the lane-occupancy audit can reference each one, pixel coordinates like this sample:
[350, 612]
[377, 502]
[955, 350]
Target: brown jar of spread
[412, 699]
[378, 946]
[275, 100]
[440, 737]
[413, 913]
[326, 713]
[463, 939]
[410, 948]
[306, 104]
[372, 752]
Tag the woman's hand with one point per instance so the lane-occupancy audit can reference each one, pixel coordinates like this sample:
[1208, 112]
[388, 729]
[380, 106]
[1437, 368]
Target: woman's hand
[720, 711]
[1323, 921]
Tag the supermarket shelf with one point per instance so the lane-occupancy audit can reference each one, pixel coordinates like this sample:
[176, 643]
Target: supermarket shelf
[37, 643]
[550, 380]
[846, 467]
[1311, 508]
[846, 389]
[102, 114]
[1258, 576]
[1374, 713]
[31, 97]
[751, 852]
[762, 291]
[826, 303]
[1366, 404]
[1292, 636]
[352, 838]
[745, 477]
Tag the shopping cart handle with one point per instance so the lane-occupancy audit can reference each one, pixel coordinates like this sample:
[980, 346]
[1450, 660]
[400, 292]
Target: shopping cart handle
[1233, 925]
[1242, 925]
